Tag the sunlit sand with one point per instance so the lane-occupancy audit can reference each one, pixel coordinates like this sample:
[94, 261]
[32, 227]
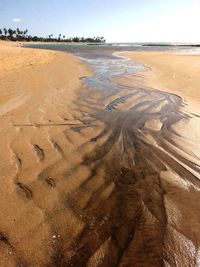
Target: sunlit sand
[99, 159]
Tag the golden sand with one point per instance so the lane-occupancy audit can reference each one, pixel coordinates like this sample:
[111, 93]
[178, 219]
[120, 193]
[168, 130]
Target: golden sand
[171, 71]
[37, 87]
[96, 177]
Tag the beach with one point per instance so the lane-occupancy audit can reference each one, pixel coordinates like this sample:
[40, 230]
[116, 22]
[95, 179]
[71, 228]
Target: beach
[176, 72]
[98, 168]
[38, 88]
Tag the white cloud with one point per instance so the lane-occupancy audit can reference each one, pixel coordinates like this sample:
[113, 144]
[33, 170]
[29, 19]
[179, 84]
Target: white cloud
[16, 20]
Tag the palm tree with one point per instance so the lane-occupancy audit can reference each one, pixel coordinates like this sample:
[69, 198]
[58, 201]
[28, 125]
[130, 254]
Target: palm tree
[24, 33]
[10, 32]
[5, 31]
[18, 31]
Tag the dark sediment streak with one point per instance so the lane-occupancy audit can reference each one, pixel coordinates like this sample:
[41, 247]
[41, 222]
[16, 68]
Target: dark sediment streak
[127, 218]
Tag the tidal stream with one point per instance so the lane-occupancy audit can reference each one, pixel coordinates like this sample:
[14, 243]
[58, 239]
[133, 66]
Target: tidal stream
[140, 202]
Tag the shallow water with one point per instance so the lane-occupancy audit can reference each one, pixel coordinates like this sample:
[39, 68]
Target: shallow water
[102, 51]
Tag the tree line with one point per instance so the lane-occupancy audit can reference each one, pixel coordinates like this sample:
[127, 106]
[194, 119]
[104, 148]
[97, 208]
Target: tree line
[19, 35]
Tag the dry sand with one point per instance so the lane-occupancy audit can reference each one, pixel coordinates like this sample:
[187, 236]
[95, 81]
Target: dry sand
[37, 88]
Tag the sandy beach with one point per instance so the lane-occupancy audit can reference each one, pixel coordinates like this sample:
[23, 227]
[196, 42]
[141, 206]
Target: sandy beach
[95, 172]
[175, 71]
[38, 89]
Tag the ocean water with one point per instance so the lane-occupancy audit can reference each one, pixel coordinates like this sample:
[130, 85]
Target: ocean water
[107, 50]
[101, 51]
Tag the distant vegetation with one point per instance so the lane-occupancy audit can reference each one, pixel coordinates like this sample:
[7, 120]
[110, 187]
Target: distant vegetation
[18, 35]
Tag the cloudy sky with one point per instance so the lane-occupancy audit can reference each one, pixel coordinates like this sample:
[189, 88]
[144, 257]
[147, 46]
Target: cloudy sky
[116, 20]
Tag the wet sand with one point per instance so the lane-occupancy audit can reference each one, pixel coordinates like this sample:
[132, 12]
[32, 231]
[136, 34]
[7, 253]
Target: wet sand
[95, 172]
[175, 71]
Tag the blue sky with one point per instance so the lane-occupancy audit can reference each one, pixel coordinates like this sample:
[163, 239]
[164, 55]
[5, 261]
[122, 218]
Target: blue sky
[116, 20]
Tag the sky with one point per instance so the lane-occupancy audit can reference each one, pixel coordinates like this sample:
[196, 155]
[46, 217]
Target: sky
[116, 20]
